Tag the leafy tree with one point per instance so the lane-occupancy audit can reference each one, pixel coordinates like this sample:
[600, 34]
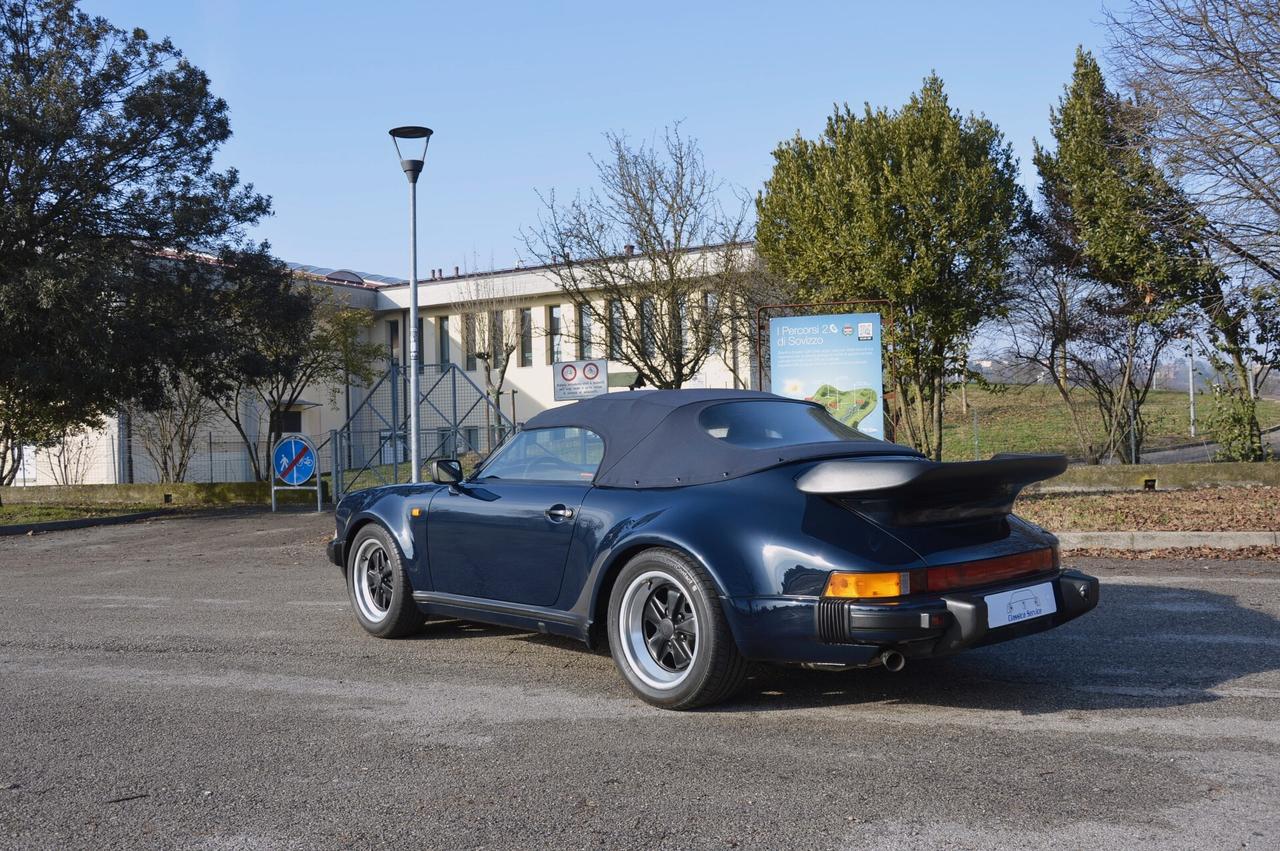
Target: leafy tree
[651, 256]
[1233, 420]
[917, 206]
[1113, 219]
[107, 192]
[1207, 72]
[279, 338]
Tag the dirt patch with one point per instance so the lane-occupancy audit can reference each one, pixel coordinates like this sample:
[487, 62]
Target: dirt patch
[1255, 509]
[1182, 554]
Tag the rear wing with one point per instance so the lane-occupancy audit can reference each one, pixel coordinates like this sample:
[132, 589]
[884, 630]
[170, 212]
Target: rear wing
[916, 492]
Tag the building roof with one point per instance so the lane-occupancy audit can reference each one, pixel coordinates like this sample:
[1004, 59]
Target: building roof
[345, 276]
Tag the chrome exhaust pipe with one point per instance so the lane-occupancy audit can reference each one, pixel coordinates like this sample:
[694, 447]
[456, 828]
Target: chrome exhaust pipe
[893, 660]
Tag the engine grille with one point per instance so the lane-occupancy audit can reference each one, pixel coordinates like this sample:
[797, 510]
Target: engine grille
[833, 621]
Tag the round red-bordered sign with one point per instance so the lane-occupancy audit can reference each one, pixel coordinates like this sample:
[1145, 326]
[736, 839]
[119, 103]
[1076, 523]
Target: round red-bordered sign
[590, 371]
[568, 372]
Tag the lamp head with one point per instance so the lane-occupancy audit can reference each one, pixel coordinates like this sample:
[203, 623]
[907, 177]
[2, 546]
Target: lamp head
[411, 156]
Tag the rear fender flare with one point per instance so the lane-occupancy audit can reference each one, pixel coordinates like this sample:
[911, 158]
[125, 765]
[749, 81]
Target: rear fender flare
[610, 563]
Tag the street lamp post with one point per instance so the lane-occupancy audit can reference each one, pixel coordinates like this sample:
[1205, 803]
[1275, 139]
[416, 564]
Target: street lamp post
[411, 160]
[1191, 386]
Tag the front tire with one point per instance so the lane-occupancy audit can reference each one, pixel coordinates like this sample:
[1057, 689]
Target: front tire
[668, 634]
[379, 586]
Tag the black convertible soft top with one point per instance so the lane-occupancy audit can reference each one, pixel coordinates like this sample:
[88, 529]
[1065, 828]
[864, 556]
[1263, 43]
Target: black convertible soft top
[652, 438]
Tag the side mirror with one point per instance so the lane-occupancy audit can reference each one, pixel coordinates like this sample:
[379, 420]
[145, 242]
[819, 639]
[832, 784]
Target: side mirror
[446, 471]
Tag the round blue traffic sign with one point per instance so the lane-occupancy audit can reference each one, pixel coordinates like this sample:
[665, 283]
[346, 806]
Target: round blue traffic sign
[294, 460]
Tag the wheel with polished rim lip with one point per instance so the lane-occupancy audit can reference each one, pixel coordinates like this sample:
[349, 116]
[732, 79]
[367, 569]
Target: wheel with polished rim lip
[668, 635]
[379, 588]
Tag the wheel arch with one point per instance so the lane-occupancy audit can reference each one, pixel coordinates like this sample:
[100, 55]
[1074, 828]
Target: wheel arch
[617, 558]
[360, 522]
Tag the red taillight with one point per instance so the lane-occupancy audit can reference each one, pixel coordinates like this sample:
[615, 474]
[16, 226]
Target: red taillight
[971, 574]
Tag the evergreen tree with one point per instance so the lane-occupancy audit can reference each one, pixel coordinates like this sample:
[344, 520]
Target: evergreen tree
[917, 206]
[1114, 219]
[110, 210]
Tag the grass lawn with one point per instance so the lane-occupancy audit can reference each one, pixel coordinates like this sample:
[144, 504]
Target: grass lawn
[1202, 510]
[14, 515]
[1033, 418]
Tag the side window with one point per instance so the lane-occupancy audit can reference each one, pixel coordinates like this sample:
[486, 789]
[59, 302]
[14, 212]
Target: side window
[547, 455]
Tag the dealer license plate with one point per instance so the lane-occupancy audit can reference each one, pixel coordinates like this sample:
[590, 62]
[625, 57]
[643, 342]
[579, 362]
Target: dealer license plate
[1020, 604]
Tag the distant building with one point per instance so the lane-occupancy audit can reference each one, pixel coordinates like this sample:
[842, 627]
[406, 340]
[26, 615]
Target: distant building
[449, 305]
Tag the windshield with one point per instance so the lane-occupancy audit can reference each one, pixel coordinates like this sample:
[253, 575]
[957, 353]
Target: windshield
[769, 423]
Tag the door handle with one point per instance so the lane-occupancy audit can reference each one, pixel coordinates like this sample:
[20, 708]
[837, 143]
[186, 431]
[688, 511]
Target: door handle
[558, 512]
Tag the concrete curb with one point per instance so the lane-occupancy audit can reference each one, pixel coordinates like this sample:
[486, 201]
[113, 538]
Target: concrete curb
[1166, 540]
[82, 523]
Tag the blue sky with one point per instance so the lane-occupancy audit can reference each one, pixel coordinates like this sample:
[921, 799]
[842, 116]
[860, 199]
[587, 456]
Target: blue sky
[520, 93]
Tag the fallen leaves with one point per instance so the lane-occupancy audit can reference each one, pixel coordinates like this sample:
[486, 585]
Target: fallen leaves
[1231, 509]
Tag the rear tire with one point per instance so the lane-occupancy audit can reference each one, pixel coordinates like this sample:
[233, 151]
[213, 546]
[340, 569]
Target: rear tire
[668, 634]
[379, 586]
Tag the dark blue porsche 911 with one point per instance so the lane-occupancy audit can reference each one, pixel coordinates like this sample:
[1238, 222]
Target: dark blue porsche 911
[694, 531]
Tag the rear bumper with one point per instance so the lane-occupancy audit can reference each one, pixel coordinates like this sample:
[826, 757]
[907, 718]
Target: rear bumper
[840, 632]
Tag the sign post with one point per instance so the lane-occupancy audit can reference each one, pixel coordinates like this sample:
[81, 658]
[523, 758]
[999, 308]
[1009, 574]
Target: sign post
[294, 462]
[579, 379]
[833, 359]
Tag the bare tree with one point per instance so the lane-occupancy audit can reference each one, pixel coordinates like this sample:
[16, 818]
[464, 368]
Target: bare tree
[168, 433]
[1046, 317]
[652, 256]
[1208, 72]
[492, 327]
[69, 459]
[1099, 354]
[25, 422]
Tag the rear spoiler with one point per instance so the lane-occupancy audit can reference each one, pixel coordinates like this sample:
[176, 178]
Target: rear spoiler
[917, 492]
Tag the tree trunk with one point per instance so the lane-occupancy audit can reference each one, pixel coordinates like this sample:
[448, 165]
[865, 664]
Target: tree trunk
[938, 398]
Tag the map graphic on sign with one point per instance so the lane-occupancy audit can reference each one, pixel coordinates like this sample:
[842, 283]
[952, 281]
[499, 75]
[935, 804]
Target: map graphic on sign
[294, 460]
[834, 360]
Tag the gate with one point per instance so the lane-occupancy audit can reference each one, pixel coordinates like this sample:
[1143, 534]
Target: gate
[456, 420]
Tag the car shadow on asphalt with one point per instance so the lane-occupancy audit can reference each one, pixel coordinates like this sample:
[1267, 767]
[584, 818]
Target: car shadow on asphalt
[1143, 647]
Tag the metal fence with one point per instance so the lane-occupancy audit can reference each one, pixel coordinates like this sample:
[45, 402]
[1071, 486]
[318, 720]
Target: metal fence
[456, 419]
[113, 457]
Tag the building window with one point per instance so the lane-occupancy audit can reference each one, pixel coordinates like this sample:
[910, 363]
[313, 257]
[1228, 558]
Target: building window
[422, 355]
[444, 444]
[584, 331]
[289, 421]
[648, 320]
[393, 338]
[469, 339]
[442, 340]
[615, 330]
[710, 315]
[554, 335]
[526, 336]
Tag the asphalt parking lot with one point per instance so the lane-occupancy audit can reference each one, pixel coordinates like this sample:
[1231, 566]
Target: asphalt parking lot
[200, 683]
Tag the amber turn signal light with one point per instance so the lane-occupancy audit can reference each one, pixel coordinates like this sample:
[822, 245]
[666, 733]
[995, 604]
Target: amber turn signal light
[867, 585]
